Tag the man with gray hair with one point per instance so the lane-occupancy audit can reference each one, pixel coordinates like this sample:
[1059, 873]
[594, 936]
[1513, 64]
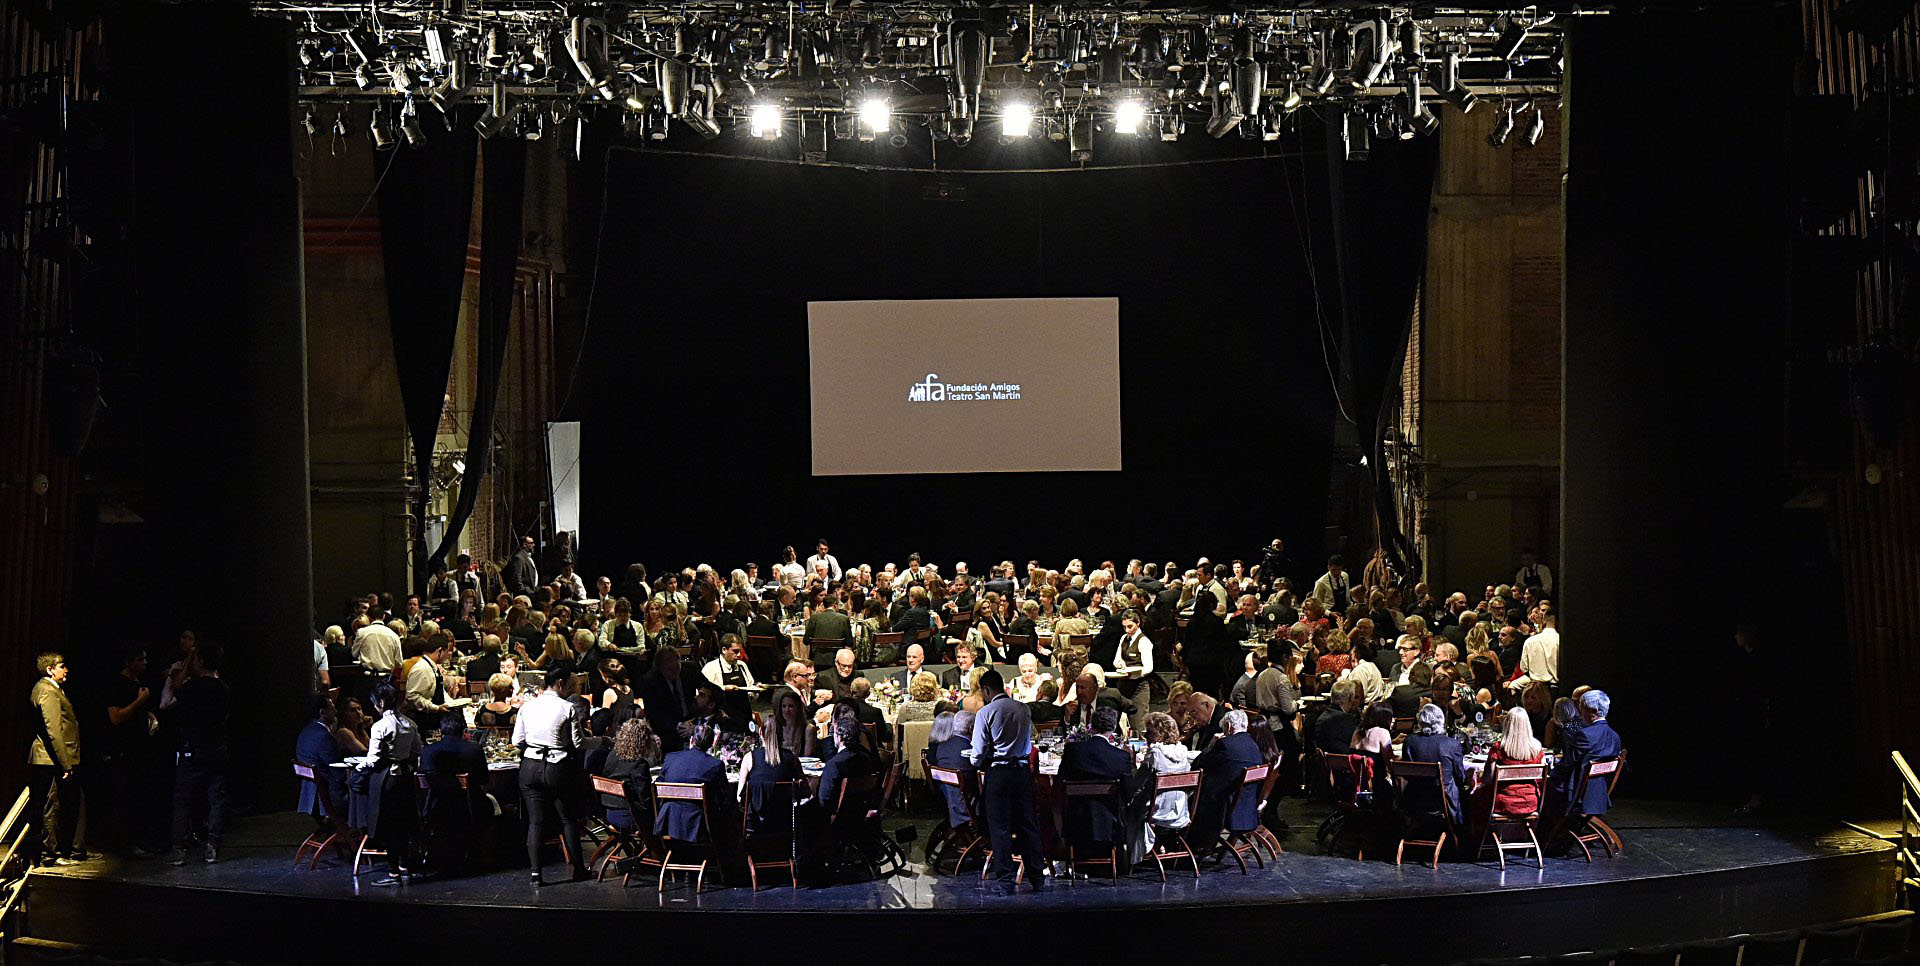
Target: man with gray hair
[1333, 730]
[1225, 763]
[1591, 740]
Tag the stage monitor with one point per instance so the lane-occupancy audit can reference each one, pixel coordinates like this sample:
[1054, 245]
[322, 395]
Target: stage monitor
[965, 385]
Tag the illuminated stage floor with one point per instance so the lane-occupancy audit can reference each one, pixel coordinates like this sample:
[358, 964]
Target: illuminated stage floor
[1689, 873]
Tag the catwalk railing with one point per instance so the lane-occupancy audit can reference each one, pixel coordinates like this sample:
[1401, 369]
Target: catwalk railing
[1909, 857]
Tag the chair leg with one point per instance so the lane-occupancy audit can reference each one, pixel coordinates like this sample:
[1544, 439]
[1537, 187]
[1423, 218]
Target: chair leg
[1439, 847]
[663, 870]
[1401, 852]
[324, 846]
[700, 879]
[1539, 854]
[1499, 848]
[1614, 845]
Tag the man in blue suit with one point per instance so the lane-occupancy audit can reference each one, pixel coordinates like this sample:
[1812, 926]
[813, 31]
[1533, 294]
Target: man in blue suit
[1098, 757]
[1593, 740]
[683, 821]
[1225, 762]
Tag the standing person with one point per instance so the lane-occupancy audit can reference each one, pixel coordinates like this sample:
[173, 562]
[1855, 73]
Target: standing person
[821, 556]
[548, 731]
[1533, 573]
[130, 727]
[520, 573]
[393, 754]
[1333, 589]
[54, 803]
[201, 705]
[1133, 669]
[1002, 744]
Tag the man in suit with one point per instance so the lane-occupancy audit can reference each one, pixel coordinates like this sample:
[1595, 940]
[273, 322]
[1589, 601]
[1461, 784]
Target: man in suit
[1593, 739]
[53, 807]
[916, 659]
[828, 630]
[1225, 763]
[951, 752]
[916, 617]
[520, 573]
[1002, 582]
[667, 693]
[857, 695]
[455, 812]
[955, 677]
[1089, 697]
[1151, 582]
[1099, 822]
[840, 677]
[1333, 730]
[683, 821]
[1165, 608]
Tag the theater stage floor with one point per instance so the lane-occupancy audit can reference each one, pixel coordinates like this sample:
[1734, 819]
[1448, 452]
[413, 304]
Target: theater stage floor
[1689, 873]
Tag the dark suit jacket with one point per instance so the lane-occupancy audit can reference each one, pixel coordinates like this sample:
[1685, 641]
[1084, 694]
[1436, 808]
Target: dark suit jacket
[952, 753]
[1044, 711]
[683, 820]
[831, 679]
[870, 715]
[443, 762]
[1333, 732]
[1001, 585]
[1097, 820]
[911, 621]
[1582, 745]
[761, 626]
[1225, 762]
[852, 762]
[829, 627]
[520, 574]
[1421, 797]
[663, 713]
[1079, 598]
[953, 677]
[1406, 700]
[316, 746]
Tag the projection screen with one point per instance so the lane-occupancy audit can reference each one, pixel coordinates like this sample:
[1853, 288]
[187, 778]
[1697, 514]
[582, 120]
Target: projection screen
[965, 385]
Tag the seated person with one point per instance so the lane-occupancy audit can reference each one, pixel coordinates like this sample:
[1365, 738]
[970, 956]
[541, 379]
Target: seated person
[765, 784]
[1225, 763]
[1167, 756]
[947, 746]
[316, 747]
[1517, 746]
[956, 678]
[1407, 697]
[454, 811]
[870, 715]
[852, 760]
[1594, 738]
[1090, 694]
[1430, 742]
[1046, 704]
[1098, 756]
[923, 692]
[840, 677]
[684, 821]
[484, 665]
[1026, 686]
[1333, 730]
[499, 710]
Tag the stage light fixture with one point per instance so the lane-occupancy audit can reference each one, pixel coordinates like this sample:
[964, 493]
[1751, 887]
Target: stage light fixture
[499, 113]
[1450, 86]
[1080, 138]
[1171, 127]
[876, 115]
[310, 124]
[1502, 128]
[410, 127]
[765, 121]
[1016, 119]
[340, 124]
[363, 76]
[1508, 44]
[1354, 142]
[381, 133]
[1293, 100]
[1224, 115]
[1127, 116]
[1426, 121]
[1536, 127]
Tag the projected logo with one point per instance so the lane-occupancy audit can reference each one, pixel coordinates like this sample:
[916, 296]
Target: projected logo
[931, 389]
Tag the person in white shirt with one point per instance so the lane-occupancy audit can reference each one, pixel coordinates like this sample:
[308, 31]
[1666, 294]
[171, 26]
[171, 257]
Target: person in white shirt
[548, 730]
[376, 645]
[821, 556]
[788, 571]
[729, 670]
[1132, 669]
[1540, 655]
[1533, 573]
[1333, 589]
[393, 752]
[426, 688]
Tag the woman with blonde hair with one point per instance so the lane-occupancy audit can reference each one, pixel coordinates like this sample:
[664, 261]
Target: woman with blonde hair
[1414, 630]
[1517, 746]
[1167, 756]
[923, 693]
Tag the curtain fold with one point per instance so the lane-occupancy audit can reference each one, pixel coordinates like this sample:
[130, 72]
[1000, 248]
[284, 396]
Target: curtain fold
[503, 195]
[426, 211]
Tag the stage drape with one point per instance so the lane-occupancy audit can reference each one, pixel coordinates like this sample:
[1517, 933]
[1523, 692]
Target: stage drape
[426, 209]
[1378, 219]
[504, 190]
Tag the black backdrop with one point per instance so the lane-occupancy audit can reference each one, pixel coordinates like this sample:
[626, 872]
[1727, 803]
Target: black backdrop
[695, 383]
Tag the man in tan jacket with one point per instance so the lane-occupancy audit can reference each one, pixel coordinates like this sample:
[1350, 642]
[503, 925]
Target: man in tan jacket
[53, 758]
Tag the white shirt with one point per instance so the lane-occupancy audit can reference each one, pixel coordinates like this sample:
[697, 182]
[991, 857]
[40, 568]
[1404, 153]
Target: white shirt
[1120, 666]
[1546, 578]
[1540, 656]
[423, 685]
[548, 728]
[833, 565]
[1323, 589]
[790, 574]
[715, 669]
[319, 663]
[393, 742]
[1367, 675]
[377, 646]
[576, 588]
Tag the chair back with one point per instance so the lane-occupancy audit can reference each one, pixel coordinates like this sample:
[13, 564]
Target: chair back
[476, 689]
[1607, 768]
[1080, 797]
[953, 779]
[1018, 644]
[858, 800]
[580, 683]
[1402, 727]
[689, 792]
[1046, 727]
[913, 746]
[766, 656]
[1250, 782]
[1081, 641]
[304, 772]
[1501, 776]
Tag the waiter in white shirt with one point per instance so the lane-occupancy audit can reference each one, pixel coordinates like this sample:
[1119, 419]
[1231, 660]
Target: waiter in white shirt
[426, 688]
[1533, 573]
[548, 731]
[1132, 669]
[821, 556]
[729, 670]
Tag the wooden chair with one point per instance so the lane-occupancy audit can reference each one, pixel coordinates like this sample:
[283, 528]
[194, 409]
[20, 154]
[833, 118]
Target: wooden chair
[1018, 644]
[1041, 728]
[890, 648]
[1405, 773]
[1187, 782]
[1402, 727]
[476, 689]
[1349, 775]
[851, 830]
[1263, 836]
[1588, 829]
[967, 838]
[767, 656]
[795, 791]
[336, 827]
[620, 843]
[664, 792]
[1500, 777]
[1082, 795]
[1241, 841]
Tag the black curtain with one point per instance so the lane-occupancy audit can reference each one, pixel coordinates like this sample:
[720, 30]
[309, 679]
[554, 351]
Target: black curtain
[426, 210]
[504, 190]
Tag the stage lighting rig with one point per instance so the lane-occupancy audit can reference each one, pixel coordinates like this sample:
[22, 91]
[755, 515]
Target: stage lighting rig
[886, 72]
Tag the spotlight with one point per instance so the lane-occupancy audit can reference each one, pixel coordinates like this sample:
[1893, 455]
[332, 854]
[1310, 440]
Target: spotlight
[1535, 127]
[1170, 128]
[309, 124]
[1016, 119]
[1224, 116]
[410, 127]
[1426, 122]
[1502, 128]
[765, 121]
[363, 76]
[1450, 86]
[340, 124]
[381, 133]
[1127, 116]
[876, 115]
[1510, 40]
[1080, 138]
[1354, 141]
[499, 113]
[1293, 100]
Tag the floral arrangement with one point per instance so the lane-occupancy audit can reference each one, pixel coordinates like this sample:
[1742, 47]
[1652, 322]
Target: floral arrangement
[887, 694]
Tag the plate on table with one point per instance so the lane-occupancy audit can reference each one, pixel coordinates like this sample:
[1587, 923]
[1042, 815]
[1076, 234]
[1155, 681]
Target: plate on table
[459, 702]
